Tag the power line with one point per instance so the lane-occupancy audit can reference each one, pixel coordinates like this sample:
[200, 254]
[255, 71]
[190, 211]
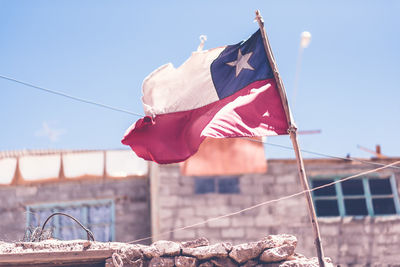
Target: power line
[70, 96]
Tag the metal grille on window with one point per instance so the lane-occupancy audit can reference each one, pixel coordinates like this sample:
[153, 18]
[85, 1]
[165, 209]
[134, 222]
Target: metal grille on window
[97, 215]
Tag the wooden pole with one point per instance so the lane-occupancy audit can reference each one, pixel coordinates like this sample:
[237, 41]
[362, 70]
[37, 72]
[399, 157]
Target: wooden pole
[293, 136]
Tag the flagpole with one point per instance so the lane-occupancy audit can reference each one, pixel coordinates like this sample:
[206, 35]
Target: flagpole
[293, 136]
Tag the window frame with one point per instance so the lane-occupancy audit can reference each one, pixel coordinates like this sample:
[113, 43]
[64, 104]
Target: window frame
[340, 197]
[53, 206]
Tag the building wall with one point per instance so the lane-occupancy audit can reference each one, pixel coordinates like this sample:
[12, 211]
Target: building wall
[347, 240]
[130, 195]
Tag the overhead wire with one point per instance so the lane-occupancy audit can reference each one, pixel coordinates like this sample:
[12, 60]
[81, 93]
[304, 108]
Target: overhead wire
[140, 115]
[70, 96]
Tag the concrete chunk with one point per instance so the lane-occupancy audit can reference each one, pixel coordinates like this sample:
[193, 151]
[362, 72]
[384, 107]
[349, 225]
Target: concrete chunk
[273, 241]
[277, 254]
[161, 262]
[162, 248]
[199, 242]
[244, 252]
[219, 250]
[224, 262]
[183, 261]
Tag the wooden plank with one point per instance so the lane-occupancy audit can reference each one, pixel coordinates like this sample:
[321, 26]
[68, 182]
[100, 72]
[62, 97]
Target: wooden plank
[34, 258]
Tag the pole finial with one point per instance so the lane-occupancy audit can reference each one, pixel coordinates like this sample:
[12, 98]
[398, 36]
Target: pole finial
[259, 17]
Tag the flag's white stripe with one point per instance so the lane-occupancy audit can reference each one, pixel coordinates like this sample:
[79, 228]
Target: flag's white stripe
[189, 86]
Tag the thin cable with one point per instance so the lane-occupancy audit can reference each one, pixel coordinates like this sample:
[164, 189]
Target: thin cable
[321, 154]
[71, 97]
[268, 202]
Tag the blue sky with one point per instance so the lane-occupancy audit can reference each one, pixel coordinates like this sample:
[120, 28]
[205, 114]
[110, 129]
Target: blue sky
[102, 50]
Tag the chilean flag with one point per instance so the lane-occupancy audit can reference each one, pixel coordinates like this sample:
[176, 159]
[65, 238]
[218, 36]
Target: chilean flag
[223, 92]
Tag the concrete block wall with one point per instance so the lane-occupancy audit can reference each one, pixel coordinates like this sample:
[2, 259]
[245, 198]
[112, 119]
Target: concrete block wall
[130, 197]
[180, 206]
[348, 241]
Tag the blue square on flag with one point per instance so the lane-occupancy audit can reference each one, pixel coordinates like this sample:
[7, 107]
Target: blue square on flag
[240, 64]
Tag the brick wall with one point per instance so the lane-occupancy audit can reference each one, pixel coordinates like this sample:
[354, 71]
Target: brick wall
[130, 197]
[348, 240]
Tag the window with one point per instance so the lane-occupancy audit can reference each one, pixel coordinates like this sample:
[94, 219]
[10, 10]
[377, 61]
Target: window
[97, 215]
[222, 185]
[367, 196]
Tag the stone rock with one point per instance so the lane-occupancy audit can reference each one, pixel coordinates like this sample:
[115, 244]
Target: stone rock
[277, 254]
[162, 248]
[250, 263]
[219, 250]
[151, 252]
[244, 252]
[168, 247]
[136, 263]
[273, 241]
[199, 242]
[161, 262]
[274, 264]
[206, 264]
[224, 262]
[299, 262]
[183, 261]
[130, 253]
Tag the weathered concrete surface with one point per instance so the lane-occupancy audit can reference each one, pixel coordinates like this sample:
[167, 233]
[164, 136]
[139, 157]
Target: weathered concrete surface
[183, 261]
[161, 248]
[219, 250]
[277, 254]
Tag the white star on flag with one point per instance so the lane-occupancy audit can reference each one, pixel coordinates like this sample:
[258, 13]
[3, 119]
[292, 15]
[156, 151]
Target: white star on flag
[241, 62]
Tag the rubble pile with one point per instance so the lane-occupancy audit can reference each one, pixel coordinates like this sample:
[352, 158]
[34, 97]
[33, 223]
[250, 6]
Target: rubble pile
[271, 251]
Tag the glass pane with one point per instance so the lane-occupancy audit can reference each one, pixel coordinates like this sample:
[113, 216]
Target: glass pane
[326, 191]
[380, 186]
[33, 219]
[69, 229]
[228, 185]
[71, 232]
[383, 206]
[100, 214]
[356, 207]
[101, 232]
[352, 187]
[327, 207]
[42, 216]
[204, 185]
[72, 211]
